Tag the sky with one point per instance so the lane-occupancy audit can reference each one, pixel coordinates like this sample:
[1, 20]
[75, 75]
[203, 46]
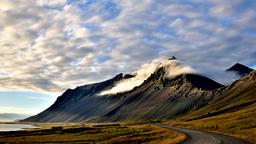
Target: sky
[47, 46]
[24, 102]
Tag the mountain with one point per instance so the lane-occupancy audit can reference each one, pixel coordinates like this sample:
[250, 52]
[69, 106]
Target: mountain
[158, 97]
[240, 69]
[9, 117]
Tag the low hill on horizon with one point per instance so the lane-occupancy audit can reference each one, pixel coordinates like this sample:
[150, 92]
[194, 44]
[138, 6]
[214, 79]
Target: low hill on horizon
[10, 117]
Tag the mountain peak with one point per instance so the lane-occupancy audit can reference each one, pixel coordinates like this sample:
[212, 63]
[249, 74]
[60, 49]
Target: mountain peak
[118, 76]
[240, 69]
[172, 58]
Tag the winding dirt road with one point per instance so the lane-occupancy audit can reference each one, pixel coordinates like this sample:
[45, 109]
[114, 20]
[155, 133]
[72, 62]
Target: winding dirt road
[200, 137]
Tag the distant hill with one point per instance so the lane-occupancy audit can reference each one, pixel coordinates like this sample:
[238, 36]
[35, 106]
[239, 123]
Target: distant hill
[240, 69]
[9, 117]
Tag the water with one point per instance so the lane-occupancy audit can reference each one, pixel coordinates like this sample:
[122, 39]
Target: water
[15, 127]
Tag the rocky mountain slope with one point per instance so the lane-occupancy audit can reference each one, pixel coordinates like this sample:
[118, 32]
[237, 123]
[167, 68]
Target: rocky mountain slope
[158, 97]
[231, 112]
[237, 96]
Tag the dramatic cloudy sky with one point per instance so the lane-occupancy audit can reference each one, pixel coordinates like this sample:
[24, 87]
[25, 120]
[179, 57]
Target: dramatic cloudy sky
[50, 45]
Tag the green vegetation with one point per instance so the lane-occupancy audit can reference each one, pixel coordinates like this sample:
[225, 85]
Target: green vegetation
[79, 133]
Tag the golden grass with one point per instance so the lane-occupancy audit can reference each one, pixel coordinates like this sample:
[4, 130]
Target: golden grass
[241, 123]
[103, 134]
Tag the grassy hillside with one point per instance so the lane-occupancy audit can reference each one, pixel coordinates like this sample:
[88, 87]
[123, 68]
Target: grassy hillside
[240, 123]
[102, 134]
[233, 112]
[237, 96]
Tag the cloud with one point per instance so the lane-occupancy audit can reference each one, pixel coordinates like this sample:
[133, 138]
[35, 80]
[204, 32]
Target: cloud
[51, 3]
[172, 67]
[19, 110]
[6, 5]
[175, 68]
[54, 45]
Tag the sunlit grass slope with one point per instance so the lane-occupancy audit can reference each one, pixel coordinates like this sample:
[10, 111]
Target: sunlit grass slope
[240, 123]
[233, 112]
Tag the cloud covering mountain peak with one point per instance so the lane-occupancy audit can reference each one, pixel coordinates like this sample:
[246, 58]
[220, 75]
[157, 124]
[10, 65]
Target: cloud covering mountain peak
[172, 68]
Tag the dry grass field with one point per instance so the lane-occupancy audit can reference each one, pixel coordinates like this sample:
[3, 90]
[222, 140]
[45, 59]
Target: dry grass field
[103, 134]
[240, 123]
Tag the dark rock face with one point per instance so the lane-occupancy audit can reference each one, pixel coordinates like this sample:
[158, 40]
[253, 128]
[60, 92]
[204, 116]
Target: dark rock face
[197, 81]
[240, 69]
[156, 98]
[70, 105]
